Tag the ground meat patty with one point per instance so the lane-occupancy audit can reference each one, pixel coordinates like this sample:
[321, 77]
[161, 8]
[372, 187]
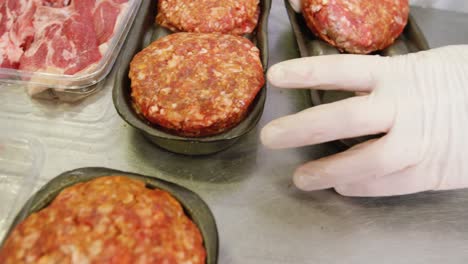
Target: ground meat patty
[111, 219]
[357, 26]
[209, 16]
[195, 84]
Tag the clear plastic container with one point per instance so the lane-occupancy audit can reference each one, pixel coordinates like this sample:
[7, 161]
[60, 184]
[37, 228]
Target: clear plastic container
[75, 87]
[20, 164]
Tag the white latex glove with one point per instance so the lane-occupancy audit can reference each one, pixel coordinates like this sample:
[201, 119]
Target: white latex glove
[453, 5]
[420, 99]
[296, 5]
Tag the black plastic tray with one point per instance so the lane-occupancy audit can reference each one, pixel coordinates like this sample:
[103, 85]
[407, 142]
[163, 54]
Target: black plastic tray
[193, 205]
[411, 40]
[144, 32]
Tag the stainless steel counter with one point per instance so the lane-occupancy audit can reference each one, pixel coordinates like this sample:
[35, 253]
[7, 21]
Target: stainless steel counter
[261, 217]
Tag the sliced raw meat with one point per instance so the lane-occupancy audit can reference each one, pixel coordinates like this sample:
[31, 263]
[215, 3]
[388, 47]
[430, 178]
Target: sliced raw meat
[22, 31]
[16, 30]
[56, 3]
[64, 41]
[106, 14]
[56, 36]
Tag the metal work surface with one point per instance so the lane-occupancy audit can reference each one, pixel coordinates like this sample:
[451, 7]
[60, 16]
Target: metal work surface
[261, 217]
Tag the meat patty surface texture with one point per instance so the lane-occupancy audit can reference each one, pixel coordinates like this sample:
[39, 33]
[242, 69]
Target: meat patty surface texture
[209, 16]
[112, 219]
[196, 84]
[357, 26]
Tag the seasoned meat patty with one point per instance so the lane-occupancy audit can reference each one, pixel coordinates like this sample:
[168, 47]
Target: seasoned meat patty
[209, 16]
[196, 84]
[111, 219]
[357, 26]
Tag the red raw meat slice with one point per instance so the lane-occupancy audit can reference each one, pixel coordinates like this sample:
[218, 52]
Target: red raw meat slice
[56, 36]
[65, 41]
[106, 14]
[3, 17]
[5, 25]
[16, 30]
[56, 3]
[22, 31]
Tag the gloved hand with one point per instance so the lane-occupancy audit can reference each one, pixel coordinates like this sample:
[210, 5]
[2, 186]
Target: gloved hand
[420, 100]
[296, 5]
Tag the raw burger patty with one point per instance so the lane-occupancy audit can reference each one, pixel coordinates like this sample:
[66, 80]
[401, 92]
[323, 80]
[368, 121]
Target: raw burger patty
[112, 219]
[196, 84]
[209, 16]
[357, 26]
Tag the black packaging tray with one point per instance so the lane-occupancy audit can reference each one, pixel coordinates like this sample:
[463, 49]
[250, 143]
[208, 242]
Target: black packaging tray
[144, 32]
[411, 40]
[193, 205]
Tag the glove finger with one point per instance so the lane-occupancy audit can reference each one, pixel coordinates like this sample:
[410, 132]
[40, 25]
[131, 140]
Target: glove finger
[366, 161]
[352, 117]
[356, 73]
[406, 181]
[296, 5]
